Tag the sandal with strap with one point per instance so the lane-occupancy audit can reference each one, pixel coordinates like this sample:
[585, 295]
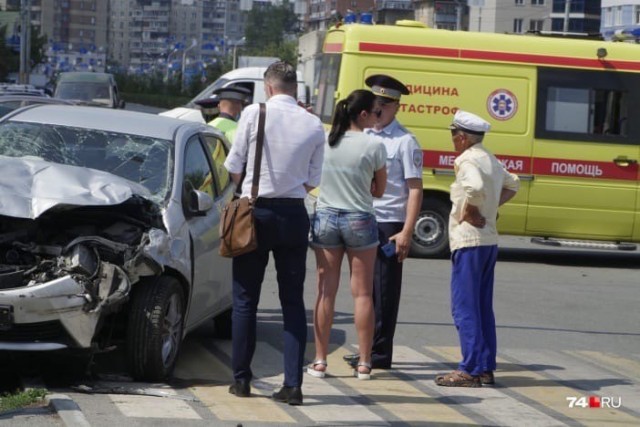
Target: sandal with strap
[458, 379]
[362, 375]
[311, 369]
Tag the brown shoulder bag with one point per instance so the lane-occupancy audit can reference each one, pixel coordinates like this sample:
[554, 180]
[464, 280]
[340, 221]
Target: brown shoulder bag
[237, 224]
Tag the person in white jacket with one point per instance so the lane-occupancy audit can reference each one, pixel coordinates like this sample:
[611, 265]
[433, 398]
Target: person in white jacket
[481, 185]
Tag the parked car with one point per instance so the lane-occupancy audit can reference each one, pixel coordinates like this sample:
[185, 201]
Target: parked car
[109, 233]
[88, 88]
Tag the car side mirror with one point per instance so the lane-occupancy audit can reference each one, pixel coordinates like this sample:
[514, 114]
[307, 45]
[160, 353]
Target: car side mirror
[199, 203]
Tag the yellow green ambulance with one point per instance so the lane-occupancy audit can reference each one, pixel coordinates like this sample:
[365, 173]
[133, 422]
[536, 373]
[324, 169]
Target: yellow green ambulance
[565, 117]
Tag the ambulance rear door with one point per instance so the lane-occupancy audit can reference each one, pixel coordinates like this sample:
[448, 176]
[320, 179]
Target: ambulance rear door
[585, 155]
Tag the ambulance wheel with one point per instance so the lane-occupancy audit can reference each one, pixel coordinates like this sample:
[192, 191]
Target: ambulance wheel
[431, 233]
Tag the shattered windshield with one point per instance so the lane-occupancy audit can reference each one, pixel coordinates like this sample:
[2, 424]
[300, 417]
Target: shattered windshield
[144, 160]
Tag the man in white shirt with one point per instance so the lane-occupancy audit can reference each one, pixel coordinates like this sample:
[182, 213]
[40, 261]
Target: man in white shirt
[291, 166]
[482, 184]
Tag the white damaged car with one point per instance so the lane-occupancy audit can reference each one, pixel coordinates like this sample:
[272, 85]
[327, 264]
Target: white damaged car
[109, 233]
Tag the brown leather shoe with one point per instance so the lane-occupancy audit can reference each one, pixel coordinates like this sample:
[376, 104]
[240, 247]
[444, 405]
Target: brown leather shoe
[487, 378]
[458, 379]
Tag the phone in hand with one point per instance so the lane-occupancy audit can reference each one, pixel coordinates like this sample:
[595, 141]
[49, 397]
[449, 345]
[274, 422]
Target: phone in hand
[389, 249]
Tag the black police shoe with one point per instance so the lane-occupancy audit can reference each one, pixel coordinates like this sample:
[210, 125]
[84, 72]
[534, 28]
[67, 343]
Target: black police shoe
[351, 357]
[375, 364]
[241, 388]
[290, 395]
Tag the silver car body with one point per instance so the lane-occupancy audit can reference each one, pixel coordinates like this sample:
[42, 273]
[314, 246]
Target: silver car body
[183, 247]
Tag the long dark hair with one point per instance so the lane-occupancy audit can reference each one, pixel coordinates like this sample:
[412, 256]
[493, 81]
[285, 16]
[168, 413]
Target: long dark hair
[348, 110]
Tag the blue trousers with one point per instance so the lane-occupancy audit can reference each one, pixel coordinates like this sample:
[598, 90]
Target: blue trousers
[472, 307]
[282, 229]
[387, 284]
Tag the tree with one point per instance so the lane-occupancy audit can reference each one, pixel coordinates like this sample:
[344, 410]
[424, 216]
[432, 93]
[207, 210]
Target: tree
[9, 60]
[266, 31]
[37, 47]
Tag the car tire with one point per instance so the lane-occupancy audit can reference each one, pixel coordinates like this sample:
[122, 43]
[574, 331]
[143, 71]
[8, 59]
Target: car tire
[222, 324]
[155, 328]
[431, 233]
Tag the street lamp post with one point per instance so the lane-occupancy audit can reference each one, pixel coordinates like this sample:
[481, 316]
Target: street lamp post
[235, 48]
[194, 43]
[25, 41]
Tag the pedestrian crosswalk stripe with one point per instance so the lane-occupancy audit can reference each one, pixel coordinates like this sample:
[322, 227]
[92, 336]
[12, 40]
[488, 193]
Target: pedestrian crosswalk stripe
[483, 405]
[323, 402]
[147, 406]
[623, 366]
[549, 393]
[198, 362]
[395, 395]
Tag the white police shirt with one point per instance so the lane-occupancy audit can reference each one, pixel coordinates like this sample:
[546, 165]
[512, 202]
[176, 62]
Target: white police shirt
[293, 149]
[404, 161]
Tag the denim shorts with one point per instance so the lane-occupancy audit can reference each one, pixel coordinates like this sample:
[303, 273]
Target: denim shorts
[335, 228]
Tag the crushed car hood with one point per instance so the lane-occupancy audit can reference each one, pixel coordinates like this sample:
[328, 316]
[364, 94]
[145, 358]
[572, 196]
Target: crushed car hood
[31, 186]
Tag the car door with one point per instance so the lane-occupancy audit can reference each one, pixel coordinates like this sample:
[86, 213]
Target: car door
[203, 230]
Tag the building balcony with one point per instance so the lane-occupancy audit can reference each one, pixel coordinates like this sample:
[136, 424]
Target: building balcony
[393, 4]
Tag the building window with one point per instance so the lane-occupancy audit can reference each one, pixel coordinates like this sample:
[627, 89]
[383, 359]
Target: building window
[517, 25]
[537, 2]
[536, 25]
[519, 2]
[617, 16]
[637, 15]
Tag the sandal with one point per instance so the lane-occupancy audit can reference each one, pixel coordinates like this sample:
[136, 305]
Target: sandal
[311, 369]
[362, 375]
[487, 377]
[458, 379]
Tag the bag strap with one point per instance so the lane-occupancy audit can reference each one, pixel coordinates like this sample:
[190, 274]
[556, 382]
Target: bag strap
[258, 156]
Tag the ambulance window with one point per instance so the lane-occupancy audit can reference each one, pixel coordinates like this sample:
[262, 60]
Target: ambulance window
[590, 111]
[587, 105]
[327, 85]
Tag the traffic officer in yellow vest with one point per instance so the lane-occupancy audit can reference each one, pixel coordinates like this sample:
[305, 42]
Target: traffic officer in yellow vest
[231, 100]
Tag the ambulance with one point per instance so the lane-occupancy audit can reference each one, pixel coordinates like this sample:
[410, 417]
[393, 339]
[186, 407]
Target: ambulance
[564, 114]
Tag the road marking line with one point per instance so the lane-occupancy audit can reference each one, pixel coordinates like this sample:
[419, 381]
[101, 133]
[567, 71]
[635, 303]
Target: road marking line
[549, 393]
[148, 407]
[197, 362]
[626, 367]
[323, 402]
[395, 395]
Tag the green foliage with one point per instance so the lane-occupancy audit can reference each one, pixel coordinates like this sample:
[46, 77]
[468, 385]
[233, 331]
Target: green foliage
[9, 60]
[37, 47]
[266, 31]
[21, 399]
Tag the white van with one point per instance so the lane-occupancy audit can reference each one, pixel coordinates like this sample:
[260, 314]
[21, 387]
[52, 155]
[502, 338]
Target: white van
[248, 77]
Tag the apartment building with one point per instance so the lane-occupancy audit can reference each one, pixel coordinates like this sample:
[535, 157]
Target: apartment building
[442, 14]
[76, 29]
[621, 20]
[583, 16]
[322, 14]
[510, 16]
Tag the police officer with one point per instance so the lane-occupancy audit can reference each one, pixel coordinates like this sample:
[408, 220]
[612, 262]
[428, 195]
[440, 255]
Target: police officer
[230, 101]
[396, 213]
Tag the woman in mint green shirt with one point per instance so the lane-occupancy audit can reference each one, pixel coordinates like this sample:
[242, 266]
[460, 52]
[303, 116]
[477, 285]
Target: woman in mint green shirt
[353, 173]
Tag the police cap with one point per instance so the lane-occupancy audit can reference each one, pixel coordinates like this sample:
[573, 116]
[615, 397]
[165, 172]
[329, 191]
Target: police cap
[236, 93]
[208, 103]
[386, 86]
[469, 123]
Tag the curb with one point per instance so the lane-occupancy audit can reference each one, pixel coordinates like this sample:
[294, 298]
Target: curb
[68, 410]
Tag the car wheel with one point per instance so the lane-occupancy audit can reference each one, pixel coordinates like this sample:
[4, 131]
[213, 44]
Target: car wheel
[222, 325]
[154, 332]
[431, 233]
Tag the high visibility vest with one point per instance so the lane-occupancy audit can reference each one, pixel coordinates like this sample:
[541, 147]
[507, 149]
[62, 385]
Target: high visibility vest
[226, 126]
